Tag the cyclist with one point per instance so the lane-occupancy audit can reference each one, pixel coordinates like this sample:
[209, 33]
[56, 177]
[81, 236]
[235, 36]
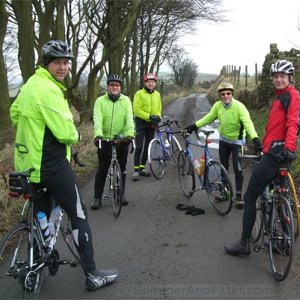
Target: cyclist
[279, 141]
[234, 120]
[147, 115]
[112, 117]
[45, 131]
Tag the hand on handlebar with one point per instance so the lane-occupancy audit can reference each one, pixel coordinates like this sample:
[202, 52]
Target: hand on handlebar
[287, 156]
[191, 128]
[257, 144]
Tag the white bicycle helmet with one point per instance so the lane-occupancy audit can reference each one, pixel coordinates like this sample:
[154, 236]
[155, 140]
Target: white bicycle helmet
[282, 66]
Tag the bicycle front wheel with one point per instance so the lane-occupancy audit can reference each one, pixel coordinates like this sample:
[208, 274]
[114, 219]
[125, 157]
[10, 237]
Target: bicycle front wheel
[293, 199]
[66, 232]
[17, 279]
[281, 239]
[116, 188]
[156, 159]
[186, 174]
[218, 187]
[175, 148]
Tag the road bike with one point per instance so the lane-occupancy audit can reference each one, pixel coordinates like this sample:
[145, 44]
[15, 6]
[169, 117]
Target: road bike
[163, 149]
[114, 175]
[213, 178]
[274, 225]
[24, 252]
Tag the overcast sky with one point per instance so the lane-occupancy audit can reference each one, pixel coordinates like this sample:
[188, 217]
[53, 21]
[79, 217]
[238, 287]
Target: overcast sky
[246, 38]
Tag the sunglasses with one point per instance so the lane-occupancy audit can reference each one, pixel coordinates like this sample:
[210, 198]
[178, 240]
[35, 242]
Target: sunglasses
[226, 93]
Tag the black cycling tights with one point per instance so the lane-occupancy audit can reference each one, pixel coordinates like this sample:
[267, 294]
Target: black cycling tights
[263, 173]
[63, 187]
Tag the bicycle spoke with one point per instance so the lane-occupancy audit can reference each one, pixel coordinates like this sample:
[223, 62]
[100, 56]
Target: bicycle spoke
[219, 188]
[281, 239]
[157, 159]
[17, 281]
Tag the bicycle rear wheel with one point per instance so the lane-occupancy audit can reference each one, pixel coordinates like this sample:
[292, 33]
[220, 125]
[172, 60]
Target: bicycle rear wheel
[281, 239]
[292, 197]
[259, 221]
[218, 187]
[186, 174]
[156, 159]
[175, 148]
[66, 232]
[17, 281]
[115, 187]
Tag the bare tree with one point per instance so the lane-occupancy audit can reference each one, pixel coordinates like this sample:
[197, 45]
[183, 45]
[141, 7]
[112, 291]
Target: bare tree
[4, 103]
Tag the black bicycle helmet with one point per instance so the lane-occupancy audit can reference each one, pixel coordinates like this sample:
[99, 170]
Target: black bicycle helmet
[55, 49]
[282, 66]
[114, 77]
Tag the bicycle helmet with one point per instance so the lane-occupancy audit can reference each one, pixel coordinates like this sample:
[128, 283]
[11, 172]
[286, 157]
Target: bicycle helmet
[150, 76]
[282, 66]
[114, 77]
[55, 49]
[225, 86]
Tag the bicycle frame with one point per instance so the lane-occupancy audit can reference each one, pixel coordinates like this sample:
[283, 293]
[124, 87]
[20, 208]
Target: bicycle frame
[207, 156]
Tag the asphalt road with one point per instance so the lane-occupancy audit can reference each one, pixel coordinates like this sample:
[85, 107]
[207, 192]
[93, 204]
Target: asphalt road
[162, 253]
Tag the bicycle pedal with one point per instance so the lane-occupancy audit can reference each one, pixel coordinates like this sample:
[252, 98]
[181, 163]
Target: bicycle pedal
[257, 248]
[73, 264]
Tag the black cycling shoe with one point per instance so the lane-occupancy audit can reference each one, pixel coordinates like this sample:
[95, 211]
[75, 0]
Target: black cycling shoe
[96, 204]
[242, 247]
[239, 202]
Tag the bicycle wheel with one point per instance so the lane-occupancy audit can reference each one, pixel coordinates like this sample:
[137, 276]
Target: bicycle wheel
[259, 221]
[281, 239]
[186, 174]
[292, 197]
[17, 281]
[115, 187]
[156, 159]
[66, 232]
[174, 149]
[218, 187]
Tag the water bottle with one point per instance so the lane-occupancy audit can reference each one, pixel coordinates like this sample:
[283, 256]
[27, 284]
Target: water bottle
[196, 165]
[44, 225]
[54, 218]
[202, 165]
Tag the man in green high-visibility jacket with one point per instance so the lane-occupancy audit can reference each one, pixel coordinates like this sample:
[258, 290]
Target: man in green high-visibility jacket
[45, 131]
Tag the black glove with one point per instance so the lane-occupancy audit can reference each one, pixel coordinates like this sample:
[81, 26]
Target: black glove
[96, 141]
[257, 144]
[191, 128]
[128, 139]
[288, 156]
[155, 120]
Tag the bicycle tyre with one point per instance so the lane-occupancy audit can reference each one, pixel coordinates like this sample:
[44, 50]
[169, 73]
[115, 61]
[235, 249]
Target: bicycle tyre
[115, 187]
[259, 221]
[292, 197]
[156, 159]
[218, 185]
[281, 240]
[66, 232]
[16, 281]
[175, 148]
[186, 174]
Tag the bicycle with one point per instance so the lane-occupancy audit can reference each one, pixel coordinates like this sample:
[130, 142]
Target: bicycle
[214, 178]
[274, 224]
[24, 252]
[114, 176]
[163, 148]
